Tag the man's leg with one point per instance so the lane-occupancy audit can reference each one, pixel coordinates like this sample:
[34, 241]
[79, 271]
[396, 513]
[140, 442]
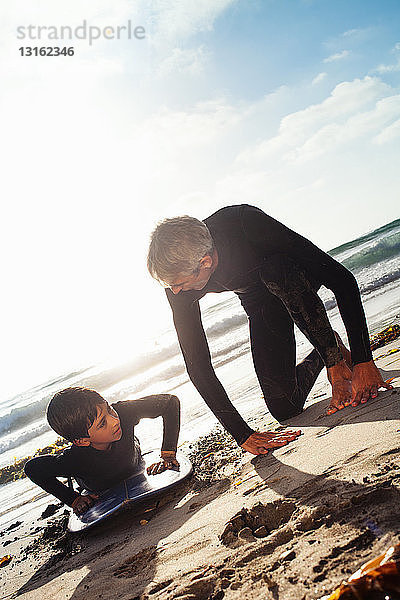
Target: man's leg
[286, 280]
[285, 386]
[296, 288]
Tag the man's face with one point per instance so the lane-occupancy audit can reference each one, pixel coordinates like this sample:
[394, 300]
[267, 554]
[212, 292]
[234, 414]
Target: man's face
[105, 429]
[193, 281]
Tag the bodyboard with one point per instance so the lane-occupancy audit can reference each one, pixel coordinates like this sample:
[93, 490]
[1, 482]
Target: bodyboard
[131, 491]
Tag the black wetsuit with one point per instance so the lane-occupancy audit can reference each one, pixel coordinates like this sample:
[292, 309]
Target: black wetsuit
[276, 274]
[97, 470]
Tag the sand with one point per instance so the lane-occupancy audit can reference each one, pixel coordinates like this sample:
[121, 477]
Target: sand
[292, 524]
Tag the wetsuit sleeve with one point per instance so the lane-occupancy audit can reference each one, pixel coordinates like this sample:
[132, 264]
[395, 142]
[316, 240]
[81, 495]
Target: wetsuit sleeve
[196, 354]
[166, 406]
[44, 470]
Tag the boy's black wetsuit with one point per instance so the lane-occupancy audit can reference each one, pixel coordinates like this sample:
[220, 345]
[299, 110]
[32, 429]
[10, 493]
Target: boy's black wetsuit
[98, 470]
[276, 273]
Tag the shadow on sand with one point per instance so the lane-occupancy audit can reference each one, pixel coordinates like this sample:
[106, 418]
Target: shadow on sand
[120, 530]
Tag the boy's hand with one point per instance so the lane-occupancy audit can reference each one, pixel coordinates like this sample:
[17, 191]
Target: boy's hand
[168, 462]
[262, 442]
[82, 503]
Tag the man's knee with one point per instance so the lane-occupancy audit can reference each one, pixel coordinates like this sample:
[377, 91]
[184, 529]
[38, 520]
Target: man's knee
[282, 401]
[283, 409]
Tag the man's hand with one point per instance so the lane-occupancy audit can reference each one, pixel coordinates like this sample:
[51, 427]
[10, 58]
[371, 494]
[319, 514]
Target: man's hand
[262, 442]
[83, 502]
[340, 378]
[168, 461]
[366, 382]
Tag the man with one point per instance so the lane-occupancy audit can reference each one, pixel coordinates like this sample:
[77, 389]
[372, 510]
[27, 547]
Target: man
[276, 274]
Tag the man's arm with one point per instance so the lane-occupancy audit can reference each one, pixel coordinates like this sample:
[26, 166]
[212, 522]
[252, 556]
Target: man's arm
[196, 354]
[44, 470]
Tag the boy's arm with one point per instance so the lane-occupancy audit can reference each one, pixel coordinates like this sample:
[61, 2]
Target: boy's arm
[166, 406]
[44, 470]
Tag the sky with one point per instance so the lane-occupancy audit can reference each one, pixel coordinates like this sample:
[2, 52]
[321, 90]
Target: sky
[291, 105]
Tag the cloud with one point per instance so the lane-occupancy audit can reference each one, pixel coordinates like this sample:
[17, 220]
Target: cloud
[172, 24]
[382, 69]
[204, 123]
[317, 152]
[350, 33]
[320, 77]
[174, 21]
[334, 135]
[346, 99]
[191, 61]
[358, 35]
[388, 134]
[392, 68]
[336, 56]
[207, 158]
[353, 38]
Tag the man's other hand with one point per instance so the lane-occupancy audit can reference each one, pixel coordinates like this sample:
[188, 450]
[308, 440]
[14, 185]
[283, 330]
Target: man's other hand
[262, 442]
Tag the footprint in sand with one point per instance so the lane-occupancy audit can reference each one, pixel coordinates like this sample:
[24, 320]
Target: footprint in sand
[257, 522]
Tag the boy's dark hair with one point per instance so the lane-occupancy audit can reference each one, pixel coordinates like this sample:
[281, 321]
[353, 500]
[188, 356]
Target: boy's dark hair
[72, 411]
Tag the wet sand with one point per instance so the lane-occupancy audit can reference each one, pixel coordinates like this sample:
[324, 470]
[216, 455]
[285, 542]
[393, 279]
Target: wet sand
[290, 525]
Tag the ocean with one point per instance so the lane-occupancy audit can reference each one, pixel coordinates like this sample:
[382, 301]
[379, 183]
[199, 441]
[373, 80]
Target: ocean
[374, 259]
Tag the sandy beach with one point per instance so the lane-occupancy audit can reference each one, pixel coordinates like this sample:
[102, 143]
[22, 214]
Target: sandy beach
[292, 524]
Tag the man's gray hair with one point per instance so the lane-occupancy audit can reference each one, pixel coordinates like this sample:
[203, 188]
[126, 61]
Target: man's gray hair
[176, 246]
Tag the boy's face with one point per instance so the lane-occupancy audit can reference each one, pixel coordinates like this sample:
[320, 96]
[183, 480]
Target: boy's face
[105, 429]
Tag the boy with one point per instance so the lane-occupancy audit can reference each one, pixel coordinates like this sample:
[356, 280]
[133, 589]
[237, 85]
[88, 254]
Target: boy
[104, 448]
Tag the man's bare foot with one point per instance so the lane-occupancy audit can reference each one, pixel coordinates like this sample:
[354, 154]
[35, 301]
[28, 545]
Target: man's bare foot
[340, 378]
[366, 382]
